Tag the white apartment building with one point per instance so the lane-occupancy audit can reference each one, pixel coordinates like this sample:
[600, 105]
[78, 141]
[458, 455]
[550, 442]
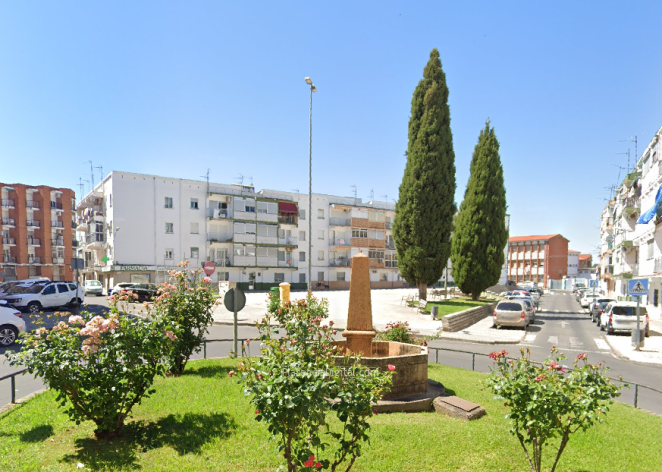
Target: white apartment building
[631, 248]
[573, 263]
[135, 227]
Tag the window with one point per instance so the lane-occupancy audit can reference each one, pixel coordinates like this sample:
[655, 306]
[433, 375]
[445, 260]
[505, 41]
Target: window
[376, 216]
[267, 231]
[194, 203]
[302, 256]
[195, 228]
[320, 234]
[267, 252]
[302, 278]
[169, 253]
[320, 255]
[374, 254]
[244, 250]
[302, 215]
[302, 235]
[383, 277]
[170, 228]
[359, 233]
[50, 290]
[195, 253]
[391, 260]
[279, 277]
[249, 206]
[267, 207]
[374, 234]
[340, 276]
[320, 276]
[651, 249]
[62, 288]
[223, 276]
[168, 202]
[244, 228]
[320, 214]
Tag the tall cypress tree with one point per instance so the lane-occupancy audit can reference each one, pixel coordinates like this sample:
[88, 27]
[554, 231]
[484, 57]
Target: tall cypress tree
[480, 228]
[426, 205]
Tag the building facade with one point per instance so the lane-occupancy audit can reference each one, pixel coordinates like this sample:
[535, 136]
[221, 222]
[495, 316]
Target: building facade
[539, 259]
[573, 263]
[37, 232]
[134, 228]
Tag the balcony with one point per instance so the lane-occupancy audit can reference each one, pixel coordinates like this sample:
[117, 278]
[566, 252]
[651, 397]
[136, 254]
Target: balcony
[7, 241]
[57, 242]
[334, 221]
[8, 259]
[289, 241]
[288, 219]
[292, 264]
[390, 245]
[32, 205]
[9, 222]
[33, 259]
[339, 263]
[339, 242]
[631, 209]
[57, 224]
[33, 224]
[218, 213]
[34, 241]
[388, 225]
[658, 265]
[58, 260]
[626, 243]
[219, 238]
[95, 240]
[7, 203]
[56, 206]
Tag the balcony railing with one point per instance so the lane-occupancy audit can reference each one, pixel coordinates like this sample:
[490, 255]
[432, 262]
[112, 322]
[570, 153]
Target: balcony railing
[390, 245]
[9, 259]
[339, 242]
[57, 224]
[74, 243]
[658, 264]
[388, 225]
[58, 260]
[34, 260]
[34, 242]
[8, 222]
[7, 203]
[8, 240]
[96, 238]
[288, 241]
[289, 219]
[289, 263]
[218, 213]
[31, 204]
[57, 242]
[340, 221]
[339, 263]
[33, 224]
[56, 205]
[219, 238]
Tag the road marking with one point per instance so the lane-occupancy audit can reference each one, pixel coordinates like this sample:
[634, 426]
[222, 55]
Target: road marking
[529, 338]
[553, 340]
[564, 324]
[557, 311]
[601, 343]
[575, 342]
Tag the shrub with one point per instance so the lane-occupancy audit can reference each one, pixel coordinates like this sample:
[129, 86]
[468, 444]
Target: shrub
[296, 383]
[545, 402]
[100, 367]
[184, 305]
[398, 331]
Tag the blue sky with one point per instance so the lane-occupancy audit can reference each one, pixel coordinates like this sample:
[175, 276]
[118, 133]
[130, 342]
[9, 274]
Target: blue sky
[174, 88]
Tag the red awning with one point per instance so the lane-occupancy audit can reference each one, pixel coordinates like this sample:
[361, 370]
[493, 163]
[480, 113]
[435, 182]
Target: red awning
[284, 207]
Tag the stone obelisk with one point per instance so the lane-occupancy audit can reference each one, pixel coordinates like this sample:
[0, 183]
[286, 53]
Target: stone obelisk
[359, 332]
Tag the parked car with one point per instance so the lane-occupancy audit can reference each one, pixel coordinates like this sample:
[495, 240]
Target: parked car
[588, 298]
[600, 308]
[530, 306]
[511, 313]
[11, 324]
[596, 305]
[51, 295]
[145, 292]
[117, 289]
[92, 287]
[622, 316]
[6, 287]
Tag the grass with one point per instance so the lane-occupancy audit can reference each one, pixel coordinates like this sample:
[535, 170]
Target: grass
[202, 421]
[448, 307]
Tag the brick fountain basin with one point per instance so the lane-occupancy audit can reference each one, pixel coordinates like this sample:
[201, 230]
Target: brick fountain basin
[411, 390]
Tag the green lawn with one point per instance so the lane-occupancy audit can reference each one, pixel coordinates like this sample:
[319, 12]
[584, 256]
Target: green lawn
[202, 421]
[453, 306]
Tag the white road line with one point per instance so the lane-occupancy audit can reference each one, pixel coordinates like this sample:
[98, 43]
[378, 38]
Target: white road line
[556, 311]
[564, 324]
[575, 342]
[529, 338]
[601, 343]
[553, 340]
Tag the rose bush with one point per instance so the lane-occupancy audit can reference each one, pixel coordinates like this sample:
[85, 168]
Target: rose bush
[399, 331]
[547, 402]
[186, 304]
[296, 384]
[100, 367]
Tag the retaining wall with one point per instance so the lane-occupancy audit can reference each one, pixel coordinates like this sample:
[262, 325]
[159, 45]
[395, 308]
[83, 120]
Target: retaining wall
[464, 319]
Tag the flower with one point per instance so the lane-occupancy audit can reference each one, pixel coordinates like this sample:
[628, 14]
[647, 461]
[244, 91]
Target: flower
[170, 334]
[318, 465]
[207, 280]
[308, 463]
[248, 341]
[257, 412]
[231, 373]
[75, 319]
[540, 377]
[582, 356]
[330, 323]
[374, 411]
[391, 367]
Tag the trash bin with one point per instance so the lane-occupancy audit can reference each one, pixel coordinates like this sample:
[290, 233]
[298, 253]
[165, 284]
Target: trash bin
[435, 312]
[274, 291]
[638, 338]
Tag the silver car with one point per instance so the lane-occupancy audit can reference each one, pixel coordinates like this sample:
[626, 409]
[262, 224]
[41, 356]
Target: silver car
[622, 316]
[511, 313]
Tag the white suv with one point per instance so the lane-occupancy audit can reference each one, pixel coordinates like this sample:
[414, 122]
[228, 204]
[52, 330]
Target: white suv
[622, 316]
[11, 324]
[52, 295]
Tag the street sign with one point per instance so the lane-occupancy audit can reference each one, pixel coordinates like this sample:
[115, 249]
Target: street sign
[105, 259]
[77, 263]
[592, 283]
[209, 268]
[638, 287]
[234, 299]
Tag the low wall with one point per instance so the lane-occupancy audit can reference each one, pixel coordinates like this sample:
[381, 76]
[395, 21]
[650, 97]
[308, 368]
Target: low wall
[464, 319]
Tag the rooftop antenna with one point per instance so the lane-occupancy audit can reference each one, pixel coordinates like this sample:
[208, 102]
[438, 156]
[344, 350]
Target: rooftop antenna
[628, 154]
[297, 191]
[251, 177]
[100, 172]
[385, 197]
[88, 183]
[240, 179]
[372, 195]
[206, 177]
[353, 187]
[91, 172]
[634, 138]
[81, 185]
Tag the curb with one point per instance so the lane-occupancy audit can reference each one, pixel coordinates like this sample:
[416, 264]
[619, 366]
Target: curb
[20, 401]
[623, 357]
[479, 341]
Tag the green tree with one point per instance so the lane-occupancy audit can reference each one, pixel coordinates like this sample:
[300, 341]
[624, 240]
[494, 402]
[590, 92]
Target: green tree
[480, 228]
[426, 204]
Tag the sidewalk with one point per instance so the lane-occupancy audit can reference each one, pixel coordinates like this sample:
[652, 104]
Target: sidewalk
[651, 353]
[483, 332]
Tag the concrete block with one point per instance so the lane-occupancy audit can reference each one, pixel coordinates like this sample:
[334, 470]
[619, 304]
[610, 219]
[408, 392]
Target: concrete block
[458, 408]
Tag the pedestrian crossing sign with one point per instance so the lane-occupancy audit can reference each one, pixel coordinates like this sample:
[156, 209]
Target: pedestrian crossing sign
[638, 287]
[592, 283]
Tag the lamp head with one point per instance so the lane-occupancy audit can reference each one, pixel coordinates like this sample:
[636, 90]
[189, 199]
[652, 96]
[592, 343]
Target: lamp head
[309, 81]
[313, 88]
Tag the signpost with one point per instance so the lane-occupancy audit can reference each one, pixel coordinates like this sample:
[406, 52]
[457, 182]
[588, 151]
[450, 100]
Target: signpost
[209, 268]
[234, 301]
[593, 284]
[637, 288]
[77, 263]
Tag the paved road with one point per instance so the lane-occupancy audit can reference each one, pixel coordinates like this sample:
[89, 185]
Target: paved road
[561, 322]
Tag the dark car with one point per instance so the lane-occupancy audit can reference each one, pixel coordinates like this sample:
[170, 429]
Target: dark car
[145, 292]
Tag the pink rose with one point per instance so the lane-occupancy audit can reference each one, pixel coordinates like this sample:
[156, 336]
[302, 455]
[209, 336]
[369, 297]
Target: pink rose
[391, 367]
[231, 373]
[207, 280]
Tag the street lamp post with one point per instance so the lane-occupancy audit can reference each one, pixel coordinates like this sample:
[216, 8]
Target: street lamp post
[309, 81]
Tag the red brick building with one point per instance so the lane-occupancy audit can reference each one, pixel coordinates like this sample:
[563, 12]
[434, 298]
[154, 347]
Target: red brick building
[585, 261]
[36, 232]
[537, 258]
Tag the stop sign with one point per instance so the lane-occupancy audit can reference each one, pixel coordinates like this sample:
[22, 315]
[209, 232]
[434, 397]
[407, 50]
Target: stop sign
[209, 268]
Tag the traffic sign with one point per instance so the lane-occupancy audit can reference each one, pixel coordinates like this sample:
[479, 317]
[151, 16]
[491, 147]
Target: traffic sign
[209, 267]
[638, 287]
[592, 283]
[234, 300]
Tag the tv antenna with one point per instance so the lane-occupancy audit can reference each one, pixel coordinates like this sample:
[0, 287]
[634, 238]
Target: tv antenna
[297, 191]
[88, 183]
[372, 195]
[385, 197]
[634, 138]
[240, 179]
[100, 173]
[81, 186]
[206, 176]
[628, 154]
[353, 187]
[91, 172]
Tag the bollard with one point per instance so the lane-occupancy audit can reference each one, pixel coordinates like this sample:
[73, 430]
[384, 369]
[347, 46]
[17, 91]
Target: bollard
[473, 361]
[435, 312]
[284, 293]
[437, 356]
[13, 389]
[636, 394]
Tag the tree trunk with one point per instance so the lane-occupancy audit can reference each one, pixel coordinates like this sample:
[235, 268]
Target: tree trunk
[475, 296]
[422, 292]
